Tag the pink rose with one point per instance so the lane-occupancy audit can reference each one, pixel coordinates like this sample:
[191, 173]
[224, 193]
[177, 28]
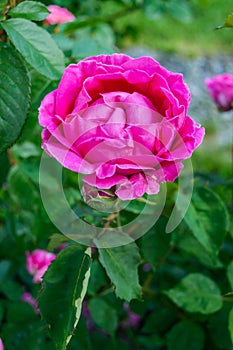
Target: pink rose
[38, 262]
[121, 121]
[58, 15]
[28, 298]
[221, 90]
[1, 345]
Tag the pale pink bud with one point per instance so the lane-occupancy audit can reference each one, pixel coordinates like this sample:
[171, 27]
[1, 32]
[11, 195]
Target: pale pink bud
[28, 298]
[58, 15]
[38, 262]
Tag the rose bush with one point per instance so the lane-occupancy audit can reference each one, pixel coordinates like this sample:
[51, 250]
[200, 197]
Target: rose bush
[38, 262]
[122, 122]
[220, 88]
[58, 15]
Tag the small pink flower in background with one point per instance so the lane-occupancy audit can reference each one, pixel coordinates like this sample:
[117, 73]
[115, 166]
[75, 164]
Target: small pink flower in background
[221, 90]
[58, 15]
[1, 345]
[133, 320]
[28, 298]
[37, 263]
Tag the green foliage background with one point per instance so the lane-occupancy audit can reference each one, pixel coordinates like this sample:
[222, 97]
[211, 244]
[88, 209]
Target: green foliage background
[179, 284]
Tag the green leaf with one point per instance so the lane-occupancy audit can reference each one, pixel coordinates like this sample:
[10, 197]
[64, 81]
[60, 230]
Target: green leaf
[36, 11]
[12, 290]
[25, 150]
[57, 240]
[217, 329]
[230, 274]
[156, 243]
[196, 293]
[121, 264]
[101, 313]
[230, 325]
[207, 218]
[5, 266]
[186, 335]
[63, 289]
[36, 46]
[21, 189]
[180, 10]
[228, 22]
[14, 95]
[3, 5]
[86, 46]
[98, 278]
[185, 241]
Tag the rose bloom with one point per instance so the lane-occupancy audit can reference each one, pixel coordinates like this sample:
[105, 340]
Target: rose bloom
[122, 122]
[221, 90]
[58, 15]
[38, 262]
[1, 345]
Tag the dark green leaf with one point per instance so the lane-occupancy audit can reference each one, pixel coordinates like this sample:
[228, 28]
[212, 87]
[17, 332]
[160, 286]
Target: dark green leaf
[12, 290]
[14, 96]
[121, 264]
[5, 266]
[155, 243]
[207, 218]
[160, 320]
[1, 313]
[152, 341]
[196, 293]
[21, 189]
[103, 314]
[188, 243]
[36, 46]
[218, 329]
[36, 11]
[186, 335]
[230, 325]
[57, 240]
[81, 339]
[230, 274]
[63, 289]
[98, 278]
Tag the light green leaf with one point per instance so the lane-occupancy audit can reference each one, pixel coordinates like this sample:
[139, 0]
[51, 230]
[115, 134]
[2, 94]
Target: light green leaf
[121, 264]
[207, 218]
[63, 290]
[87, 46]
[196, 293]
[14, 95]
[36, 11]
[230, 325]
[228, 22]
[186, 335]
[36, 46]
[103, 314]
[180, 10]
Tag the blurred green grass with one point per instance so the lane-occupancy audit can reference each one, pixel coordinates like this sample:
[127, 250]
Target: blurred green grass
[190, 39]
